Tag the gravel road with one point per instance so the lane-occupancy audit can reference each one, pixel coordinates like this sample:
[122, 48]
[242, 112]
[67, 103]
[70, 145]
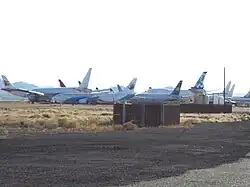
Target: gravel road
[173, 156]
[226, 175]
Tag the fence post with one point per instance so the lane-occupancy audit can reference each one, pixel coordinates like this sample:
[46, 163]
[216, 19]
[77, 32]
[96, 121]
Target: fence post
[123, 113]
[162, 114]
[143, 115]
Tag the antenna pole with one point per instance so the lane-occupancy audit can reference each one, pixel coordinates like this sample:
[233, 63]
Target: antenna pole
[224, 93]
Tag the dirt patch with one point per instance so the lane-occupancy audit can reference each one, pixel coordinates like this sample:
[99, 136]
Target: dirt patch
[119, 158]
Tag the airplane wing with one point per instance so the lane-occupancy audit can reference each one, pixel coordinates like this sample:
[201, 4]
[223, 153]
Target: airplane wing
[30, 92]
[213, 90]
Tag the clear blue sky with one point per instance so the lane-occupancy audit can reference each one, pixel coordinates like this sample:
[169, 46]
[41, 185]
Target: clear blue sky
[159, 42]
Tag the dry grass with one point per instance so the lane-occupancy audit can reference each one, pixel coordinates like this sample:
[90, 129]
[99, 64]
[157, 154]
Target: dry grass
[188, 120]
[25, 118]
[57, 118]
[43, 118]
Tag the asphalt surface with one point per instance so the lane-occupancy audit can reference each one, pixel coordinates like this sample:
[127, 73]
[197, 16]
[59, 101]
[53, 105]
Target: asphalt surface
[123, 158]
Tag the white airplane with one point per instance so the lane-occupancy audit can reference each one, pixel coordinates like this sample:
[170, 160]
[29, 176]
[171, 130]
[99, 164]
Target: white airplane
[228, 92]
[158, 97]
[245, 100]
[45, 94]
[197, 88]
[105, 97]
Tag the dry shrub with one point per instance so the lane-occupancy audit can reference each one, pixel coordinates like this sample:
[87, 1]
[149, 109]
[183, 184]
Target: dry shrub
[51, 126]
[3, 132]
[129, 126]
[106, 114]
[62, 122]
[213, 118]
[117, 127]
[35, 116]
[46, 115]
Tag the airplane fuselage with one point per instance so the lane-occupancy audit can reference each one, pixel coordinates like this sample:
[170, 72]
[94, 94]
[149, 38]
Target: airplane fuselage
[241, 100]
[94, 97]
[49, 93]
[167, 91]
[153, 97]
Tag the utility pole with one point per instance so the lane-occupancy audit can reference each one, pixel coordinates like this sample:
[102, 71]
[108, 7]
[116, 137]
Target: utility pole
[224, 93]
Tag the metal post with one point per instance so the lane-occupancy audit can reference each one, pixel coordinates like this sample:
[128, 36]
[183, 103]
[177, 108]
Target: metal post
[163, 114]
[224, 93]
[143, 114]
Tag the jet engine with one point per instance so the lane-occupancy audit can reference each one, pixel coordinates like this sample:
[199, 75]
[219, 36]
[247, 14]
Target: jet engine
[83, 101]
[32, 97]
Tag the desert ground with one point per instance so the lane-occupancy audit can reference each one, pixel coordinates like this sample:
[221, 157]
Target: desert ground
[125, 158]
[196, 153]
[21, 117]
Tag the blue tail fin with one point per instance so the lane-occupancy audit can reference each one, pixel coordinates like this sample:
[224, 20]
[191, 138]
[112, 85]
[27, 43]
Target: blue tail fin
[177, 89]
[132, 84]
[200, 83]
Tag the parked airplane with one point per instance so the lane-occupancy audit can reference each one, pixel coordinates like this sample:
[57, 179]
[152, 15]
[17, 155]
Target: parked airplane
[248, 94]
[45, 94]
[228, 92]
[158, 97]
[197, 88]
[241, 100]
[105, 97]
[245, 100]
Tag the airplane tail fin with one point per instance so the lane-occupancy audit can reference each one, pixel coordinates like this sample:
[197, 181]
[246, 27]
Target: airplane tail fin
[6, 82]
[119, 88]
[85, 81]
[61, 83]
[132, 84]
[177, 89]
[200, 83]
[227, 88]
[231, 91]
[247, 95]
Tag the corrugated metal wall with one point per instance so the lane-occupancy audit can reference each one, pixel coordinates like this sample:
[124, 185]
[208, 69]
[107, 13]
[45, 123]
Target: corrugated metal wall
[205, 108]
[147, 114]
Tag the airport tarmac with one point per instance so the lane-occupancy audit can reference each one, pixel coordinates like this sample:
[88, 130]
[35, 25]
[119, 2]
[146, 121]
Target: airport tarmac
[123, 158]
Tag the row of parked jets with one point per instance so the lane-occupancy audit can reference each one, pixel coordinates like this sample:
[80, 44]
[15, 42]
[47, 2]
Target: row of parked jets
[83, 95]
